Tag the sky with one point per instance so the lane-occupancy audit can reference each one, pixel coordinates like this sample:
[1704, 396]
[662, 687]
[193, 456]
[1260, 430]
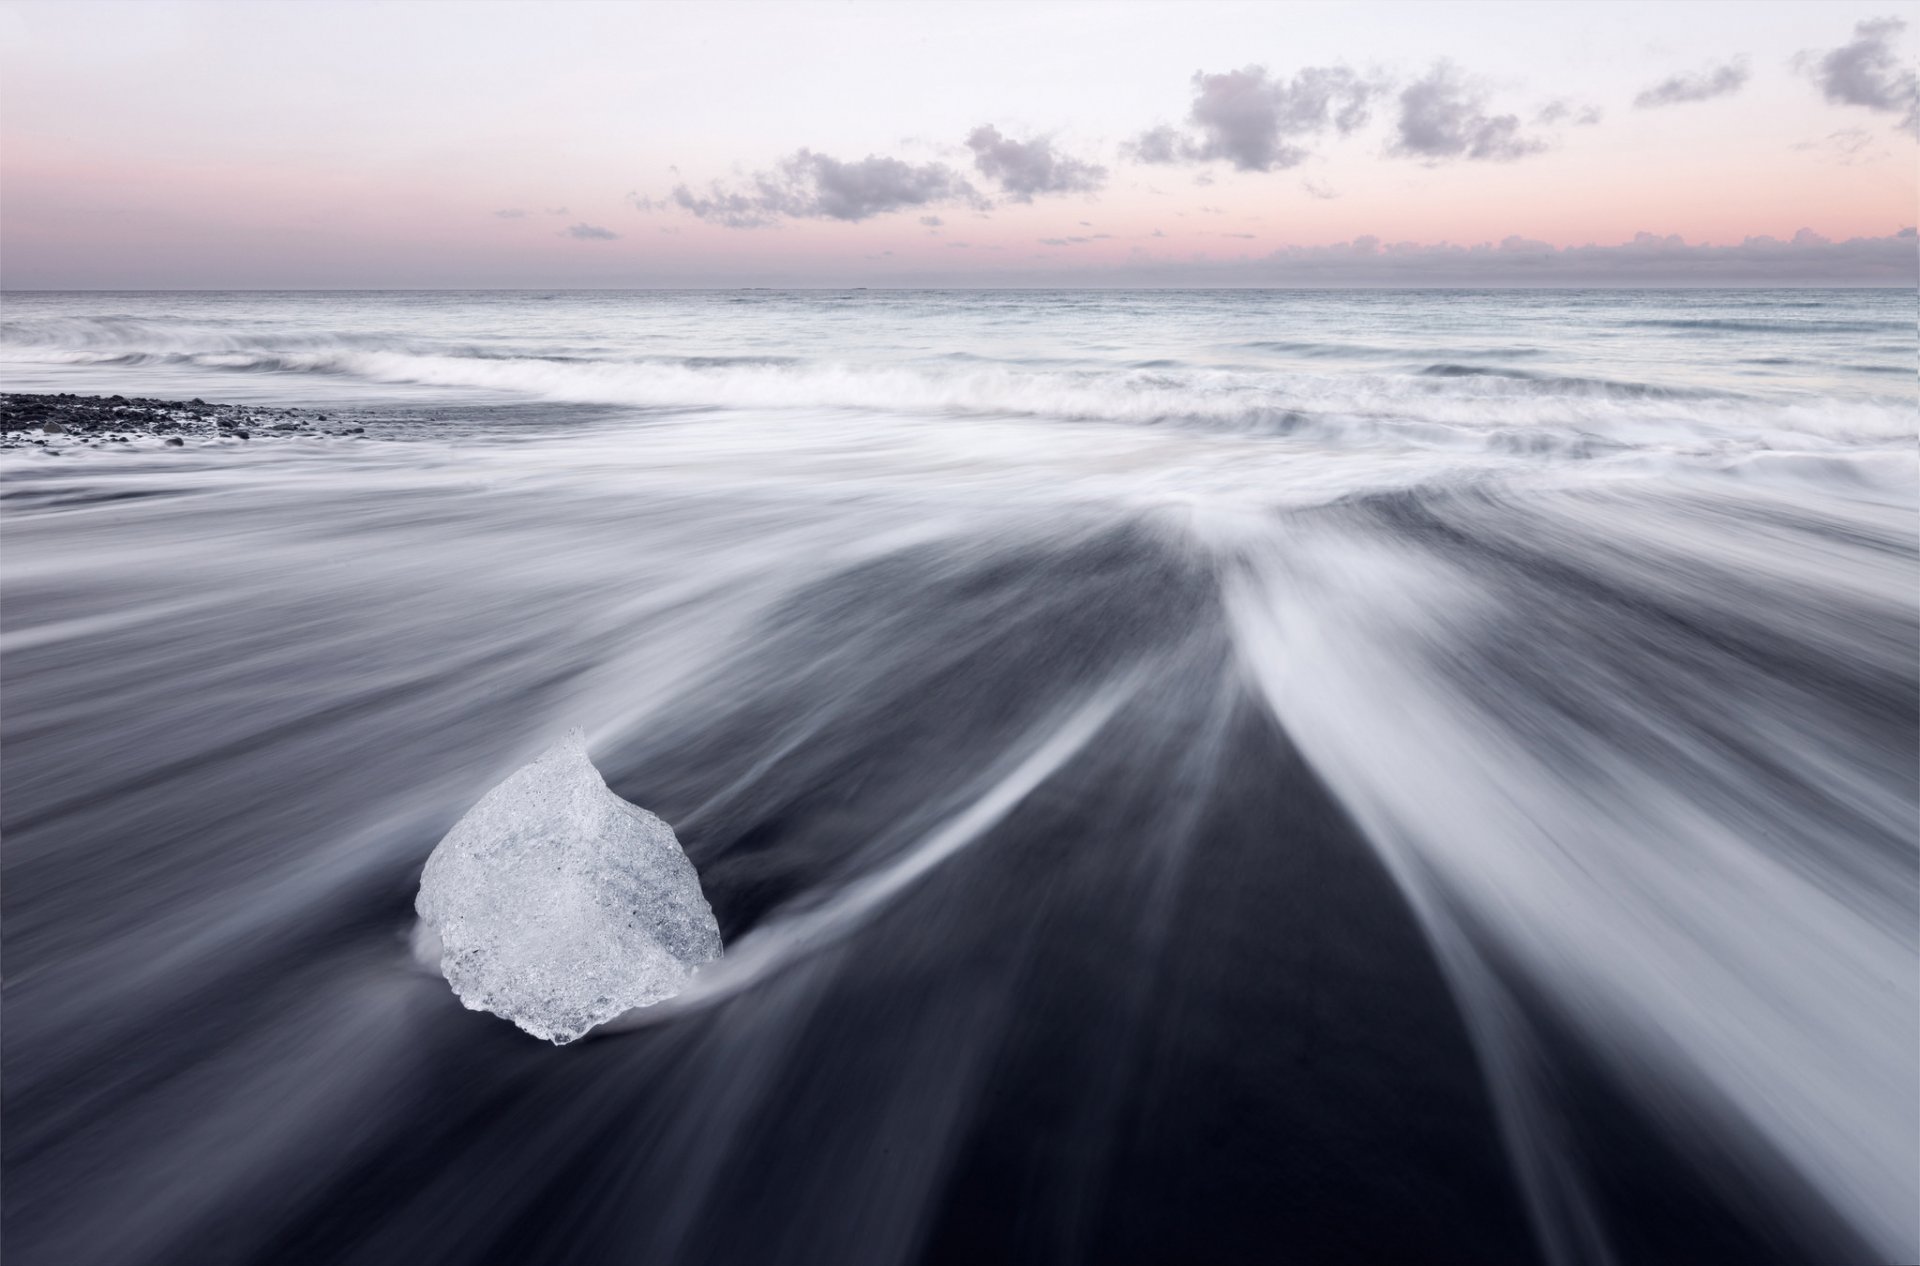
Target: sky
[344, 144]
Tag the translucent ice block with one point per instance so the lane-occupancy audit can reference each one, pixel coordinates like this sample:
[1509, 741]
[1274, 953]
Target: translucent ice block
[558, 905]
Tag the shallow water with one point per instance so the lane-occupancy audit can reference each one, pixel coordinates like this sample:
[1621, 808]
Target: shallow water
[1182, 777]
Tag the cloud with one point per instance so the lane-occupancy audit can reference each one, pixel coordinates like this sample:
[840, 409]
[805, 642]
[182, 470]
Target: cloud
[590, 233]
[1318, 189]
[1647, 259]
[1868, 72]
[1444, 116]
[1161, 144]
[558, 211]
[1719, 81]
[1561, 110]
[1252, 121]
[812, 186]
[1025, 168]
[1849, 147]
[512, 213]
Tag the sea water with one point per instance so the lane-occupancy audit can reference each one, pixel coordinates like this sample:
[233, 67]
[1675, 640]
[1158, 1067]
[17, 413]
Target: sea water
[1232, 775]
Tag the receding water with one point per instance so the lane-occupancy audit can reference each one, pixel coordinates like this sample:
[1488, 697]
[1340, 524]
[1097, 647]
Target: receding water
[1201, 777]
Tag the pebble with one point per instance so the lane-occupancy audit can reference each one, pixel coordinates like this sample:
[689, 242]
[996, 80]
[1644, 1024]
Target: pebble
[66, 418]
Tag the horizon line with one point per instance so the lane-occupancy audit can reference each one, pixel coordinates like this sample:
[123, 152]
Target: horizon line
[1677, 285]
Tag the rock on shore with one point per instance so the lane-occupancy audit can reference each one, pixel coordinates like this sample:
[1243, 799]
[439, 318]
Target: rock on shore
[42, 420]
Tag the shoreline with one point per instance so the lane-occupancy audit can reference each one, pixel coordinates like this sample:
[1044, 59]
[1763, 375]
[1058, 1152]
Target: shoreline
[29, 420]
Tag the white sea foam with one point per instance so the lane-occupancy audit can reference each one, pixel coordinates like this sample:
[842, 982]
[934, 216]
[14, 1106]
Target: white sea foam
[1569, 396]
[1684, 917]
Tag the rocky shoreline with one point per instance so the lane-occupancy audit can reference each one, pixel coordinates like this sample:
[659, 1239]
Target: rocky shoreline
[62, 420]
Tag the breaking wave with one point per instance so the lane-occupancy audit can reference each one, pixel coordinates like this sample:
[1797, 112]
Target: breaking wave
[1442, 404]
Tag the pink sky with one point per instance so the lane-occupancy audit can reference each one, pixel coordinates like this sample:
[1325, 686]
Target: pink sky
[330, 144]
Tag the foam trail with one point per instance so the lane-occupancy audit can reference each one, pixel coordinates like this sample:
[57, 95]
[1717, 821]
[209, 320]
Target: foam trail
[1626, 867]
[791, 938]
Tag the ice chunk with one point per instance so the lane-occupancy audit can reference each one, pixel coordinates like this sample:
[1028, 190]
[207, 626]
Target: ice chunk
[558, 905]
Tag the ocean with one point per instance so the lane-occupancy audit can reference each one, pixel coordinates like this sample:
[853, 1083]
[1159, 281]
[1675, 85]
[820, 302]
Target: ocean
[1193, 776]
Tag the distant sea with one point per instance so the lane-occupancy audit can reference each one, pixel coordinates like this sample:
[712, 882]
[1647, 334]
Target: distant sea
[1363, 777]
